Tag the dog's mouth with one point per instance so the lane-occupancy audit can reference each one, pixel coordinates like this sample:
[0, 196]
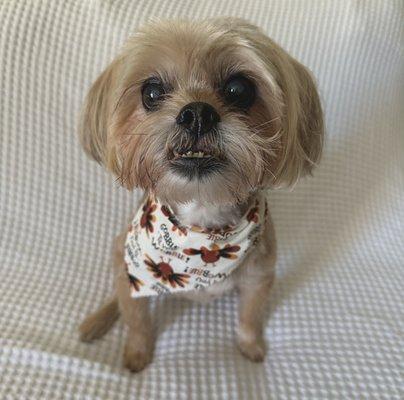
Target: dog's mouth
[195, 163]
[192, 155]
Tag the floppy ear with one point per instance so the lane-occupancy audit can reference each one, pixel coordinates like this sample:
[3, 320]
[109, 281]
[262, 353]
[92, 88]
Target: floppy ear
[303, 128]
[95, 122]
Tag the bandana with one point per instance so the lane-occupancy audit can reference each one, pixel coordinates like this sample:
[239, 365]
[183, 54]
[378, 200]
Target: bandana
[163, 256]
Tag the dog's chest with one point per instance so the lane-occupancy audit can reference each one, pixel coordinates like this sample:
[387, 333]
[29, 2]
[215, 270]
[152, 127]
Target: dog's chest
[212, 216]
[207, 216]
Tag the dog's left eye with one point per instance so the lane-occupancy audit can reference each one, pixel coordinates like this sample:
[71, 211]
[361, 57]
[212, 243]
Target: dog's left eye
[239, 91]
[152, 93]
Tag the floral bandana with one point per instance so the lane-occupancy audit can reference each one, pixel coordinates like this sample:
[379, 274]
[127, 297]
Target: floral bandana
[163, 256]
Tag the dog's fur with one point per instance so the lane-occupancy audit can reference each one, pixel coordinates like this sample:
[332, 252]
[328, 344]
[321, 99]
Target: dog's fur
[275, 142]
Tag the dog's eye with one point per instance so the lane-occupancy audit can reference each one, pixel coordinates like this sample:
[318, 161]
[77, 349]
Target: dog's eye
[152, 93]
[239, 91]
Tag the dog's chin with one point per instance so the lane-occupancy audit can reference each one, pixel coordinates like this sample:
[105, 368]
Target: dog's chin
[199, 169]
[196, 162]
[203, 173]
[201, 181]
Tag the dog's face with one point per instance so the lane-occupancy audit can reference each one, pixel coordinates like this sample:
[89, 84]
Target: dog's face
[210, 110]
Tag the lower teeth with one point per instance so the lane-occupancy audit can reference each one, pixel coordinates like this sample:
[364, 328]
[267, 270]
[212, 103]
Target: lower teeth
[193, 155]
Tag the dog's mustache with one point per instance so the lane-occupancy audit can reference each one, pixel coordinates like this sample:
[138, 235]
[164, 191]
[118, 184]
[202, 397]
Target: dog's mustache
[209, 144]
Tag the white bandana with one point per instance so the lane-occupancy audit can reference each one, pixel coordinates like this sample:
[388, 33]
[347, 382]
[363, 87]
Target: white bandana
[163, 256]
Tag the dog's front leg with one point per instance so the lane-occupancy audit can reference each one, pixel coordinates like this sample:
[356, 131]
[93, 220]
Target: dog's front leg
[254, 284]
[253, 299]
[139, 346]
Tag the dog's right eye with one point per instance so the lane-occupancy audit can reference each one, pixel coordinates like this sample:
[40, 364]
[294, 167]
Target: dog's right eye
[152, 93]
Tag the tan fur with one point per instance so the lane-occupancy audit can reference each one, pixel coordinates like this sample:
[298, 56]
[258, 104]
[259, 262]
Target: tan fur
[278, 140]
[99, 323]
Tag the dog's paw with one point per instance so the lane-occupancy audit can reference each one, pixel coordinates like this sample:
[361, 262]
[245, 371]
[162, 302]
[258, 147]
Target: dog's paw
[137, 355]
[136, 360]
[252, 348]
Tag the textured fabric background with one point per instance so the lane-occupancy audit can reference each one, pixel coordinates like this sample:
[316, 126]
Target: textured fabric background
[335, 328]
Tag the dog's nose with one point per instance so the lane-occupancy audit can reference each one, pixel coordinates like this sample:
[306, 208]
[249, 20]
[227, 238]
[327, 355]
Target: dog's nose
[198, 118]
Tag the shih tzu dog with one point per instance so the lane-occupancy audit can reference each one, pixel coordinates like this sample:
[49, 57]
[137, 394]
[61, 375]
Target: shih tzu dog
[204, 117]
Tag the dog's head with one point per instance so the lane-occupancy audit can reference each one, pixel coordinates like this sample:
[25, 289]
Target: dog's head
[206, 110]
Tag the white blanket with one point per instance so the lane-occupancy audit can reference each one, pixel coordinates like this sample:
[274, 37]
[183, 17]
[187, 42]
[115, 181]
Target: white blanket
[335, 326]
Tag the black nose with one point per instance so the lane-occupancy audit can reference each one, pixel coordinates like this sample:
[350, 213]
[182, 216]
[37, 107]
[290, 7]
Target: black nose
[198, 118]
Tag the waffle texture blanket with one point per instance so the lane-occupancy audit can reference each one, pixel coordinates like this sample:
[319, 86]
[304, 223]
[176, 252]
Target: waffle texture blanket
[335, 319]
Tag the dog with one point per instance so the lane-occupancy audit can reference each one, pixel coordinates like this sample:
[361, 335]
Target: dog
[204, 117]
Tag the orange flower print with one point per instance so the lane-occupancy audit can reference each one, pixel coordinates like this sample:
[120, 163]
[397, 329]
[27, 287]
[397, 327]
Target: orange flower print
[147, 218]
[252, 215]
[176, 224]
[164, 271]
[210, 256]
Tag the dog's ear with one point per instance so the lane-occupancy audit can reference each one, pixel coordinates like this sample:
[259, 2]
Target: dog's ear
[95, 121]
[302, 123]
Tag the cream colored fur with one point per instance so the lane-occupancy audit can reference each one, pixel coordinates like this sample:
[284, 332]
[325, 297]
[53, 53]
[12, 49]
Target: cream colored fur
[278, 140]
